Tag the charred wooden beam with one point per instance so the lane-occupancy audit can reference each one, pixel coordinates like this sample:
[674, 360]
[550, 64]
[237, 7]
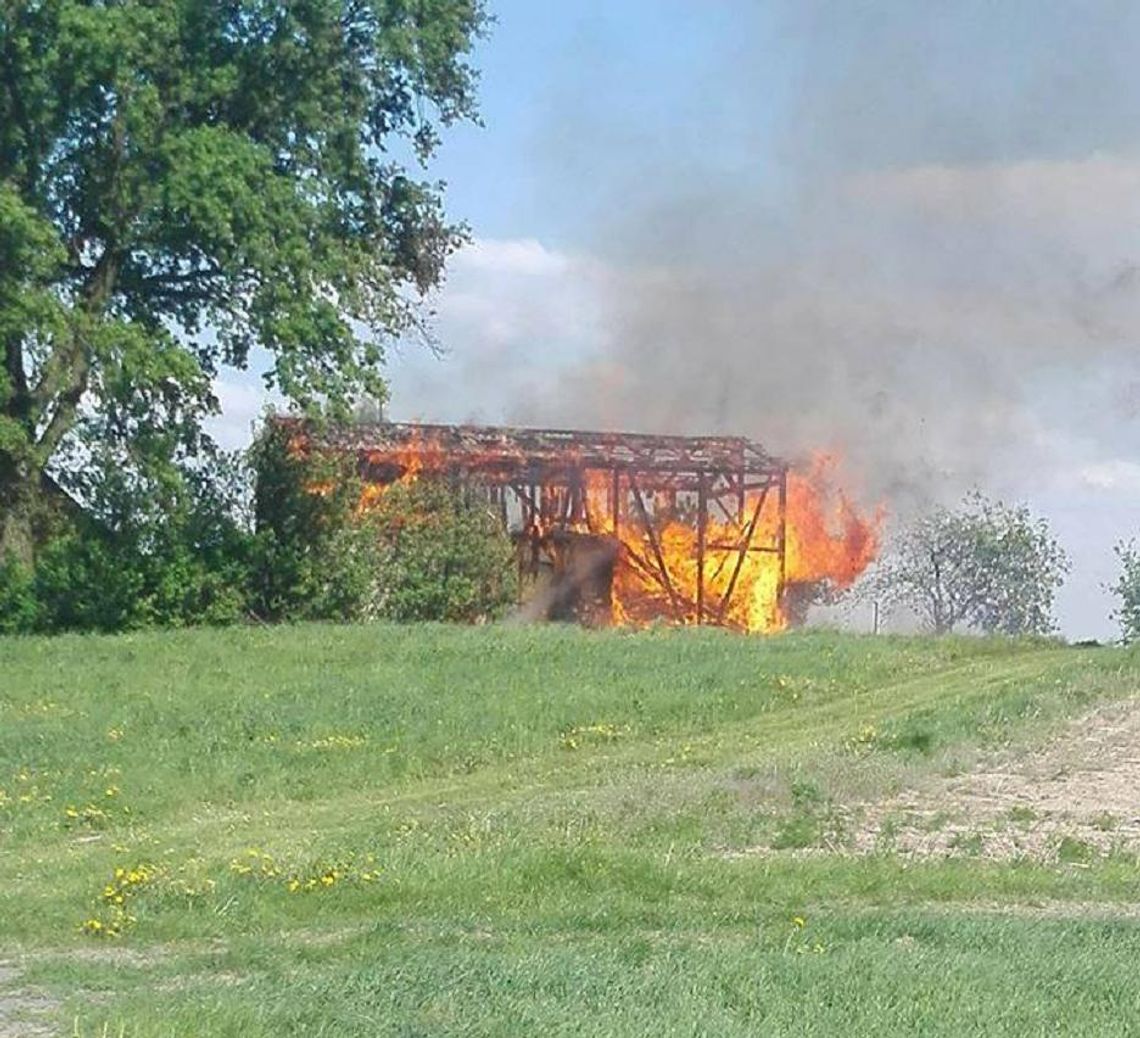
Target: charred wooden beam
[742, 548]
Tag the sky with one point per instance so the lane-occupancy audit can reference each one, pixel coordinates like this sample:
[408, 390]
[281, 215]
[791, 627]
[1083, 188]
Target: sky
[905, 232]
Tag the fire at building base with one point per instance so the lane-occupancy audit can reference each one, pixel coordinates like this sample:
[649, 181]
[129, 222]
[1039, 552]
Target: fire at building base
[624, 528]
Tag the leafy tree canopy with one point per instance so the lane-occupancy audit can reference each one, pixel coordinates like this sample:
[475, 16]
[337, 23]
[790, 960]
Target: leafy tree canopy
[183, 179]
[1127, 591]
[984, 565]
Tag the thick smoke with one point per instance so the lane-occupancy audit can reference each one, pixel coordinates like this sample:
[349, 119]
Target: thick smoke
[911, 254]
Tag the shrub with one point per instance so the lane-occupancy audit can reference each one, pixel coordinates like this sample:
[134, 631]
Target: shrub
[446, 556]
[18, 606]
[136, 558]
[315, 558]
[170, 547]
[421, 551]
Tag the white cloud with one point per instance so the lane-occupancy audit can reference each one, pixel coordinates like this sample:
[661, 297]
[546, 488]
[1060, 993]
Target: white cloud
[515, 256]
[1115, 475]
[243, 398]
[512, 315]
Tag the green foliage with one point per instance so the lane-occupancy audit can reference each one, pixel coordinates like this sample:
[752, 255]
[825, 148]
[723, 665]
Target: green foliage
[18, 605]
[314, 557]
[136, 560]
[1127, 591]
[1071, 851]
[165, 544]
[446, 555]
[420, 552]
[986, 565]
[180, 181]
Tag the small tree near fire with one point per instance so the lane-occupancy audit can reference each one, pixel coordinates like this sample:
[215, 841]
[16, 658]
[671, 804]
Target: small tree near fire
[445, 555]
[1127, 590]
[985, 566]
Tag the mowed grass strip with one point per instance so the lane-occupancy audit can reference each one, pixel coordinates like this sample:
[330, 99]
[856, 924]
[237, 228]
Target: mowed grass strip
[427, 830]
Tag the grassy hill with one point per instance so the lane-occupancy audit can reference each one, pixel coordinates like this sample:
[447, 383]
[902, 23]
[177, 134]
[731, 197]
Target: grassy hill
[427, 830]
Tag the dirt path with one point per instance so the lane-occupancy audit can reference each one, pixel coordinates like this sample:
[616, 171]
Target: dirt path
[1073, 799]
[24, 1012]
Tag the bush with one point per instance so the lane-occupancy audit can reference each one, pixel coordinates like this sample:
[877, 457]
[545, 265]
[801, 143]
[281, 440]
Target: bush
[172, 548]
[191, 569]
[314, 556]
[446, 555]
[421, 551]
[18, 605]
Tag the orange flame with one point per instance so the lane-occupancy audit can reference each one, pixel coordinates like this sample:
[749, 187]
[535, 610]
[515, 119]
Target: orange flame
[828, 538]
[828, 543]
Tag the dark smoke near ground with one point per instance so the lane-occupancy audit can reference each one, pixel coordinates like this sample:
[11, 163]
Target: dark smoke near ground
[912, 256]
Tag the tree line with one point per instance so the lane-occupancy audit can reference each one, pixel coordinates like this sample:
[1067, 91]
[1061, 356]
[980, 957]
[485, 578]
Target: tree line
[270, 537]
[250, 540]
[183, 181]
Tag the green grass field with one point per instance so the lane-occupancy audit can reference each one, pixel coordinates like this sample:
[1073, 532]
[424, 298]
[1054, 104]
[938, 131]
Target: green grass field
[531, 831]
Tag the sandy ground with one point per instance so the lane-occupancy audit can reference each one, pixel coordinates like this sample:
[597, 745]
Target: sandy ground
[1072, 799]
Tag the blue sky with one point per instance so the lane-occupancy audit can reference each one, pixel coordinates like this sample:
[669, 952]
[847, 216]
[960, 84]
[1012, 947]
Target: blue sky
[908, 231]
[570, 91]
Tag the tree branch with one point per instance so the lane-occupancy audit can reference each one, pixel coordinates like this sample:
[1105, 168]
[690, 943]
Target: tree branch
[14, 367]
[63, 418]
[68, 369]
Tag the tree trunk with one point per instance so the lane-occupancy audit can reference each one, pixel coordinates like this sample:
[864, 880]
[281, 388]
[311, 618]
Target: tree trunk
[20, 509]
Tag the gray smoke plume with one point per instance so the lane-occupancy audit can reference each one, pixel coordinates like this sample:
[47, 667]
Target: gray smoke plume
[911, 254]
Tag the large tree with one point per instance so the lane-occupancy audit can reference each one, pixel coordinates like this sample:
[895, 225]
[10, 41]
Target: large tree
[181, 180]
[985, 565]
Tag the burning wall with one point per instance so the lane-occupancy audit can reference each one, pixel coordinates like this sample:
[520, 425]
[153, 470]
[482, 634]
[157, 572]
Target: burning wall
[627, 528]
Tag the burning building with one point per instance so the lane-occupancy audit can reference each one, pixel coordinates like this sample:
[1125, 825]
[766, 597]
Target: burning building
[632, 528]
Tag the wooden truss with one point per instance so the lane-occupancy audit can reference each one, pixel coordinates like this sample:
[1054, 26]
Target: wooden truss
[538, 480]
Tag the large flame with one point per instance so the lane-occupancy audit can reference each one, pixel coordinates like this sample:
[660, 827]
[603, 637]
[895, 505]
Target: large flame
[828, 542]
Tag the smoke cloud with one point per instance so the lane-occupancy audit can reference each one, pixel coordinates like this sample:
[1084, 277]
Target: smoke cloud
[911, 253]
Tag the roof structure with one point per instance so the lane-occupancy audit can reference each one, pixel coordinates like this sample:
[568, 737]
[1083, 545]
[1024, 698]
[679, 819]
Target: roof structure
[510, 452]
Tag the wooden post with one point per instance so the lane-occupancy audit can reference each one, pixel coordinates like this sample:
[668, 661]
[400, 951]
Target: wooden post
[783, 536]
[702, 523]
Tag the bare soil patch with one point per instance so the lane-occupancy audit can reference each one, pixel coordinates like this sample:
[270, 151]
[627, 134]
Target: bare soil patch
[1073, 799]
[24, 1012]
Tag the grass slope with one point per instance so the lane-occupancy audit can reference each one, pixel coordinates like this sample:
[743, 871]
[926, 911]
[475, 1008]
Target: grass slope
[428, 830]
